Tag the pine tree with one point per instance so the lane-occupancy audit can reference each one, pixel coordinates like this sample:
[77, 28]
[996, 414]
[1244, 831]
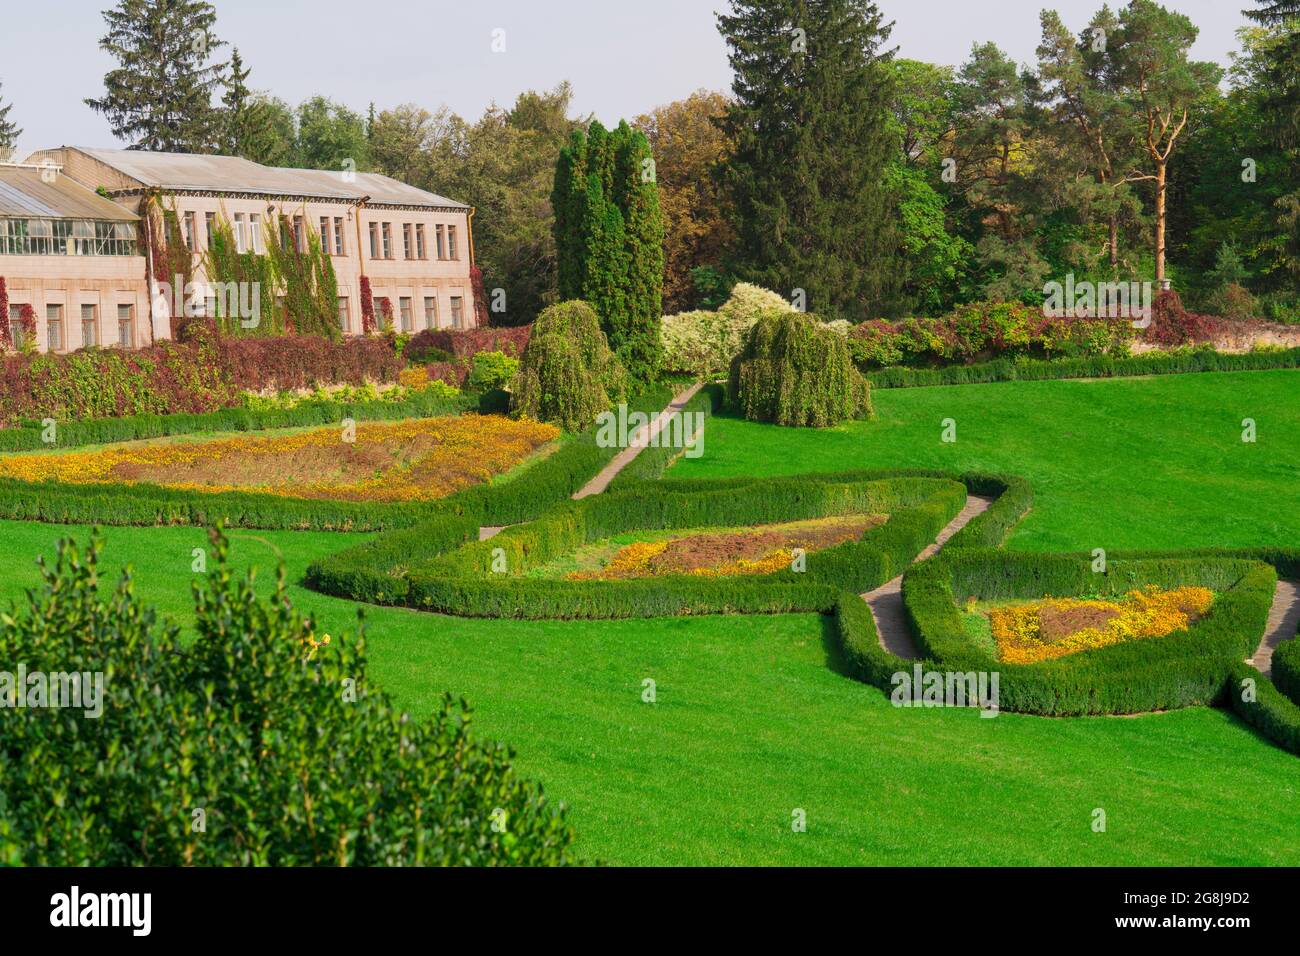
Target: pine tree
[9, 131]
[1284, 67]
[160, 95]
[237, 104]
[609, 239]
[810, 120]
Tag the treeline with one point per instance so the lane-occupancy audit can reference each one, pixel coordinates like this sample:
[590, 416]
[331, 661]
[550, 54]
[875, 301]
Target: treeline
[855, 183]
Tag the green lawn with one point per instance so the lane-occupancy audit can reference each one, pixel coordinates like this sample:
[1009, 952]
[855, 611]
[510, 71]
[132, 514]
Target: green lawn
[753, 719]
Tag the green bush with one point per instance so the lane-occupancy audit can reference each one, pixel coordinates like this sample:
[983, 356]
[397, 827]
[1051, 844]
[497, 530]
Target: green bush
[568, 374]
[492, 371]
[275, 741]
[795, 372]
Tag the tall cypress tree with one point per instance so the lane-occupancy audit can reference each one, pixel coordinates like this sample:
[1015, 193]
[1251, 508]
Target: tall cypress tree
[810, 120]
[160, 95]
[609, 238]
[9, 131]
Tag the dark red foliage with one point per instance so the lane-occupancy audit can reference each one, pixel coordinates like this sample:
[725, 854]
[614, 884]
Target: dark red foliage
[1172, 325]
[367, 306]
[465, 343]
[5, 339]
[453, 373]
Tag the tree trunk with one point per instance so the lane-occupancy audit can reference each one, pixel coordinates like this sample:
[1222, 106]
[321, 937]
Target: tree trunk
[1114, 240]
[1161, 185]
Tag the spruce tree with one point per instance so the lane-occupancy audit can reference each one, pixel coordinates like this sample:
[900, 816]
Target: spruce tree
[812, 133]
[160, 95]
[9, 131]
[1284, 68]
[609, 239]
[237, 108]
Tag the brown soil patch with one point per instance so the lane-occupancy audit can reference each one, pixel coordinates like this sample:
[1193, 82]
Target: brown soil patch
[1056, 623]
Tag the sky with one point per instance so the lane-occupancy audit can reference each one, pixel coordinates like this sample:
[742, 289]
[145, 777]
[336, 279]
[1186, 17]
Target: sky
[623, 57]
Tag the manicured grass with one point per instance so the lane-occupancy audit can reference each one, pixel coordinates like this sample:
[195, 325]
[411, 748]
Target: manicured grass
[1129, 463]
[753, 718]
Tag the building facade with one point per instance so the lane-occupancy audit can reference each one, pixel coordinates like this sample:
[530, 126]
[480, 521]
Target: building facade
[415, 248]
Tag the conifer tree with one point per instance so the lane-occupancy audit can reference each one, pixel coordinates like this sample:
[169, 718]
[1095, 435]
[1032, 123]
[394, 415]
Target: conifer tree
[810, 120]
[159, 97]
[609, 239]
[9, 131]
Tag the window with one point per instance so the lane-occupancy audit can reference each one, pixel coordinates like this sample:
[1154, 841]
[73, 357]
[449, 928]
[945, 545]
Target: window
[344, 320]
[89, 328]
[374, 240]
[16, 325]
[407, 244]
[451, 243]
[457, 312]
[430, 312]
[420, 252]
[338, 235]
[239, 232]
[209, 225]
[378, 305]
[299, 235]
[54, 327]
[326, 239]
[388, 240]
[442, 252]
[254, 233]
[404, 305]
[125, 327]
[189, 231]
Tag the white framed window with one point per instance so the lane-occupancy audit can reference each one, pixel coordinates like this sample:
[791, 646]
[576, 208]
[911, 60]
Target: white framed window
[54, 328]
[451, 243]
[89, 327]
[326, 238]
[345, 319]
[126, 326]
[188, 226]
[420, 251]
[430, 312]
[209, 226]
[439, 234]
[338, 235]
[457, 312]
[388, 240]
[240, 234]
[404, 307]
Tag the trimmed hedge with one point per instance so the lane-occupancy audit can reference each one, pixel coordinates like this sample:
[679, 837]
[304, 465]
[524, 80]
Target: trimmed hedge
[651, 463]
[1099, 366]
[460, 580]
[135, 427]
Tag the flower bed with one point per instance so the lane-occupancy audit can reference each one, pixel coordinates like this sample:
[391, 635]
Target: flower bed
[414, 460]
[1051, 628]
[761, 550]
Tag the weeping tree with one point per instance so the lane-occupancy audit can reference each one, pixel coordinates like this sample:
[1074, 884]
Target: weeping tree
[568, 374]
[796, 371]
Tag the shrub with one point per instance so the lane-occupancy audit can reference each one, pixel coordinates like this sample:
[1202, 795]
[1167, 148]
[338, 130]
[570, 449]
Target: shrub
[492, 371]
[434, 345]
[568, 374]
[795, 372]
[984, 330]
[705, 343]
[268, 727]
[201, 371]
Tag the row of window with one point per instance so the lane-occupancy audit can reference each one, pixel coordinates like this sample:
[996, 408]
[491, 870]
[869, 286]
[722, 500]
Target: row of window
[405, 318]
[66, 237]
[414, 245]
[248, 236]
[55, 340]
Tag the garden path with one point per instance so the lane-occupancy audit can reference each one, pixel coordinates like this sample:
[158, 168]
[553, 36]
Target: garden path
[639, 441]
[1283, 622]
[886, 601]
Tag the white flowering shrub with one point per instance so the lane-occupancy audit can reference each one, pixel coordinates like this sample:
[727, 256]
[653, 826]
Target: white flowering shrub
[704, 343]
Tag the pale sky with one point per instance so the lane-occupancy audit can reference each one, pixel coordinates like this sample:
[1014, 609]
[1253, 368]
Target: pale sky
[623, 57]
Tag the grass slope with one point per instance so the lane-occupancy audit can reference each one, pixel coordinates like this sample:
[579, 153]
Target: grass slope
[752, 718]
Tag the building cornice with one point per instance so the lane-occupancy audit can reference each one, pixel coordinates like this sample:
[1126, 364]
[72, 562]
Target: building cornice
[284, 199]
